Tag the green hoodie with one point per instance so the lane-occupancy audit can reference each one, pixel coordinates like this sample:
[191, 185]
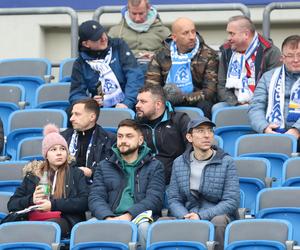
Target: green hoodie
[127, 198]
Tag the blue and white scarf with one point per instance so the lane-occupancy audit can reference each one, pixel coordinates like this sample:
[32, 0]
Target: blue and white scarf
[142, 27]
[237, 72]
[113, 93]
[73, 146]
[180, 72]
[275, 109]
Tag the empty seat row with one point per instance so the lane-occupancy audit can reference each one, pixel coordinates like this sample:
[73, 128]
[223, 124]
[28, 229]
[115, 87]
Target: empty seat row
[175, 234]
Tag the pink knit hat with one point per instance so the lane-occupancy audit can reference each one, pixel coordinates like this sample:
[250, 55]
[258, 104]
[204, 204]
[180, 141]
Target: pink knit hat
[51, 138]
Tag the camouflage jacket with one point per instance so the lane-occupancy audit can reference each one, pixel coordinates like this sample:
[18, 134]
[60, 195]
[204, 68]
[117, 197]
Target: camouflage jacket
[204, 71]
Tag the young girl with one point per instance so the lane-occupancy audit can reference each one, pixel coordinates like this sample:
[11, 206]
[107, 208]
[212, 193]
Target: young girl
[67, 185]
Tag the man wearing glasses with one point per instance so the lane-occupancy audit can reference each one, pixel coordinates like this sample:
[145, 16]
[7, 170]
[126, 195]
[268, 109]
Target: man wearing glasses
[204, 183]
[275, 107]
[245, 56]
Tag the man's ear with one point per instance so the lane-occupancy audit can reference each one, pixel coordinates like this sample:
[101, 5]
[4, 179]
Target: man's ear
[141, 140]
[85, 44]
[173, 36]
[189, 137]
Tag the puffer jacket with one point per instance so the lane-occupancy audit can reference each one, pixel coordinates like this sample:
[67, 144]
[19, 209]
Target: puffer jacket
[124, 65]
[110, 181]
[219, 188]
[267, 57]
[204, 67]
[73, 207]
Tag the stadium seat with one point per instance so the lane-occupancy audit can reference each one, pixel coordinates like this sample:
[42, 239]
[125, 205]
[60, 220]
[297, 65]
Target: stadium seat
[28, 72]
[30, 148]
[231, 123]
[53, 95]
[280, 203]
[25, 123]
[193, 112]
[65, 70]
[38, 235]
[110, 118]
[291, 173]
[254, 175]
[277, 148]
[259, 234]
[6, 109]
[104, 234]
[218, 141]
[12, 170]
[4, 198]
[9, 185]
[12, 93]
[181, 234]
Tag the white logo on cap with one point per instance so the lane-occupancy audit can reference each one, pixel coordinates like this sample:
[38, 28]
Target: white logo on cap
[94, 27]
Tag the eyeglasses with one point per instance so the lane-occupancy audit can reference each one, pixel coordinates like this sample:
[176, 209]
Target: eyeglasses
[203, 131]
[292, 56]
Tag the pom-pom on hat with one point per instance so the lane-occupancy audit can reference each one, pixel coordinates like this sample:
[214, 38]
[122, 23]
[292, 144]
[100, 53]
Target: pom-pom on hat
[51, 138]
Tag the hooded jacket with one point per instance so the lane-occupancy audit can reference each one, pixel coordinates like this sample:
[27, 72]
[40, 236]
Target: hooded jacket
[267, 57]
[73, 207]
[123, 63]
[110, 180]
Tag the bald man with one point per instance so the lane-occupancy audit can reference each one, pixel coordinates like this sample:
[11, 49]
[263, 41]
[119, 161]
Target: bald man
[186, 67]
[244, 58]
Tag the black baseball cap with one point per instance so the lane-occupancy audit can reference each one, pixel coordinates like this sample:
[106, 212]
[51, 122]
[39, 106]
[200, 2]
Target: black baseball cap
[90, 30]
[197, 122]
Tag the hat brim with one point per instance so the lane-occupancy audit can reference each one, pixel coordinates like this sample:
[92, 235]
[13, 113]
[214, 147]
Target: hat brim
[97, 35]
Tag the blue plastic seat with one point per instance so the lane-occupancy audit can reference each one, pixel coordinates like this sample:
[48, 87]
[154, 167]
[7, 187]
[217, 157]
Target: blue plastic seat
[277, 148]
[193, 112]
[4, 198]
[280, 203]
[29, 123]
[260, 234]
[39, 235]
[291, 173]
[106, 235]
[180, 234]
[10, 185]
[65, 70]
[30, 148]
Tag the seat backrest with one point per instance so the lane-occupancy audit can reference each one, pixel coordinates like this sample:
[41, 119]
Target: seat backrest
[193, 112]
[180, 230]
[258, 229]
[25, 67]
[6, 109]
[103, 231]
[291, 168]
[4, 198]
[53, 92]
[29, 148]
[30, 231]
[12, 170]
[111, 117]
[268, 143]
[13, 93]
[253, 167]
[229, 116]
[65, 70]
[36, 118]
[278, 197]
[218, 141]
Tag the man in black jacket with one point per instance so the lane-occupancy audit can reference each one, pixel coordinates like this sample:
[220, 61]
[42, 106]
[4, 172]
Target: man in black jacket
[163, 129]
[88, 142]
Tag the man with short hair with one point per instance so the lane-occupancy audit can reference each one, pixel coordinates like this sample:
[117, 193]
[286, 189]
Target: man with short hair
[244, 58]
[88, 142]
[130, 182]
[204, 183]
[105, 69]
[186, 67]
[275, 105]
[163, 129]
[142, 30]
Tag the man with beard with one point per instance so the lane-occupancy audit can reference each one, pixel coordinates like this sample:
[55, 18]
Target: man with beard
[130, 182]
[244, 58]
[186, 67]
[106, 69]
[88, 142]
[163, 129]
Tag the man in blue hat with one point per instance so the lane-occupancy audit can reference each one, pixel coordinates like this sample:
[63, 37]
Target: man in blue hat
[204, 182]
[105, 69]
